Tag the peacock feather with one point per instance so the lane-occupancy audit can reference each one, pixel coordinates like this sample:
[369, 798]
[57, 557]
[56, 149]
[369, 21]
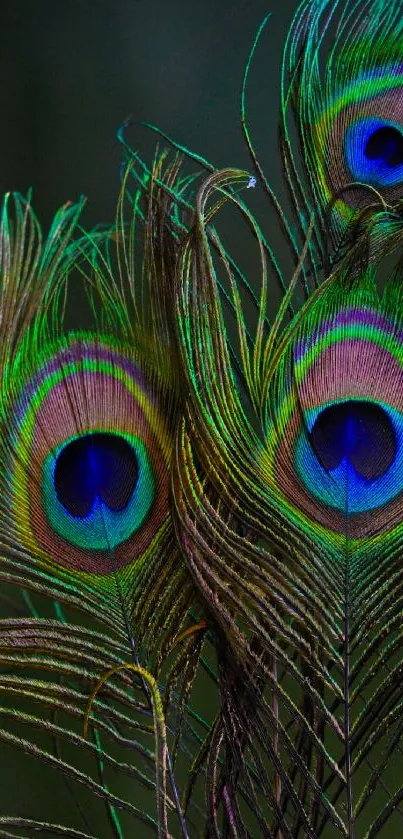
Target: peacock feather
[88, 429]
[342, 103]
[292, 531]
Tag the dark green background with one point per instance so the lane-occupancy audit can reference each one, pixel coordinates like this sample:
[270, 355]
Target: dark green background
[72, 71]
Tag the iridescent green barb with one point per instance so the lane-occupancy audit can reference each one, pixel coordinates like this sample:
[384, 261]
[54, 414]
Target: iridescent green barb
[32, 266]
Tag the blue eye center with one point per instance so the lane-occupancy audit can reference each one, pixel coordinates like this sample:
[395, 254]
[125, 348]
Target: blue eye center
[360, 432]
[385, 145]
[374, 152]
[98, 465]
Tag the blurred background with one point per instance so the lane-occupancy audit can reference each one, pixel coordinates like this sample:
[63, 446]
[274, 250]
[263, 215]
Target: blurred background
[73, 71]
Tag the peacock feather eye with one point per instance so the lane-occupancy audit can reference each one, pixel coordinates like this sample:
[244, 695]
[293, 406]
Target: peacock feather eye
[341, 448]
[89, 454]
